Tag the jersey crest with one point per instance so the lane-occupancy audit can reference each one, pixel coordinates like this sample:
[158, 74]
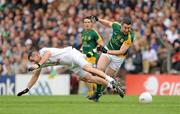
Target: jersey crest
[122, 40]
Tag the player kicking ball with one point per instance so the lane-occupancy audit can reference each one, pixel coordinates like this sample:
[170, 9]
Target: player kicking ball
[68, 56]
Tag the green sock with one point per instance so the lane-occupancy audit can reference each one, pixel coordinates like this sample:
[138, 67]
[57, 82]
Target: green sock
[98, 88]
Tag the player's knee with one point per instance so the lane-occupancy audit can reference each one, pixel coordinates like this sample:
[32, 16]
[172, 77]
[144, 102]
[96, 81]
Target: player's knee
[88, 79]
[101, 68]
[110, 71]
[87, 68]
[83, 79]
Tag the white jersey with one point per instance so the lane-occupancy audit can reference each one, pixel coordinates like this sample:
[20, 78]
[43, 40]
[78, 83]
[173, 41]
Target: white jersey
[66, 56]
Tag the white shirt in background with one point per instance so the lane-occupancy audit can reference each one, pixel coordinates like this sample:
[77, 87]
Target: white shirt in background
[150, 55]
[171, 36]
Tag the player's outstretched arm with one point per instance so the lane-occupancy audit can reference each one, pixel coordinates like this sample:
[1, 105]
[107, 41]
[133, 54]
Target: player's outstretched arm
[45, 57]
[33, 80]
[106, 22]
[102, 21]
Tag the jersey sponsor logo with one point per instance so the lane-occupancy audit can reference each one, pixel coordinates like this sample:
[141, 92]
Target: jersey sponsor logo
[122, 40]
[117, 41]
[119, 38]
[86, 40]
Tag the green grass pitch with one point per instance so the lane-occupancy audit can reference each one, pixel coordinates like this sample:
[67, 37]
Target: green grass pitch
[111, 104]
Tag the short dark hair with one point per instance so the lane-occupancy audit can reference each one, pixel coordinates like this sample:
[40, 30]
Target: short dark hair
[88, 17]
[30, 54]
[127, 20]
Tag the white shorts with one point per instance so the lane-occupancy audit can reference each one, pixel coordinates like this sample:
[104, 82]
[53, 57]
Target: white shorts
[116, 61]
[79, 58]
[80, 72]
[79, 62]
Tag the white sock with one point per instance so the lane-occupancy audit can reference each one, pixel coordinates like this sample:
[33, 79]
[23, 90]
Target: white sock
[109, 85]
[109, 79]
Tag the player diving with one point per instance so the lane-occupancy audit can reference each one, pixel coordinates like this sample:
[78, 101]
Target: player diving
[67, 56]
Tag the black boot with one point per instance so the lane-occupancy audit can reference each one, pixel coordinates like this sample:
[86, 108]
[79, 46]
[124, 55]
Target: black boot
[117, 87]
[95, 97]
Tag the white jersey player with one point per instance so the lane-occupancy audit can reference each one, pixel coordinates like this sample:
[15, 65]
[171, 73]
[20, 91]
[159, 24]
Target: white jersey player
[67, 56]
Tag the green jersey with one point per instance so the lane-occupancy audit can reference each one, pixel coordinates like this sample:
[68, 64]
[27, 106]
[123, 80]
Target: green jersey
[90, 41]
[118, 38]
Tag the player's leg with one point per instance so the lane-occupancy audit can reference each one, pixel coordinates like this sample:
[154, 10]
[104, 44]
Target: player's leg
[98, 93]
[111, 72]
[97, 72]
[100, 88]
[114, 84]
[91, 86]
[88, 77]
[113, 68]
[79, 59]
[102, 64]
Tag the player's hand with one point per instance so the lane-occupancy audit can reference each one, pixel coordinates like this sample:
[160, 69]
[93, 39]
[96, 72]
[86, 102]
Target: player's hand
[102, 49]
[34, 67]
[94, 18]
[23, 92]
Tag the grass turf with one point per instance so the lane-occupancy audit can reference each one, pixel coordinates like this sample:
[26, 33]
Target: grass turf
[80, 105]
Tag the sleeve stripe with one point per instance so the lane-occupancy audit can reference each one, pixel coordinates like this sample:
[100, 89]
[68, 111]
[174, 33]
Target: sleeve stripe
[117, 23]
[100, 39]
[129, 40]
[97, 33]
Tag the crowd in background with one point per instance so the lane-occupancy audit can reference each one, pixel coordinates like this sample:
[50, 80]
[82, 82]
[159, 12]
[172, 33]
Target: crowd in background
[33, 24]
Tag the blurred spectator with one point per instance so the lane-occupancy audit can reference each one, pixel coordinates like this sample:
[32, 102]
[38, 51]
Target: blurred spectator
[134, 63]
[149, 59]
[176, 56]
[164, 49]
[1, 68]
[172, 33]
[7, 67]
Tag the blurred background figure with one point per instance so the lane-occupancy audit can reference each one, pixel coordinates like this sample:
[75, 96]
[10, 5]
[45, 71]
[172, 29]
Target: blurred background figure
[149, 59]
[176, 56]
